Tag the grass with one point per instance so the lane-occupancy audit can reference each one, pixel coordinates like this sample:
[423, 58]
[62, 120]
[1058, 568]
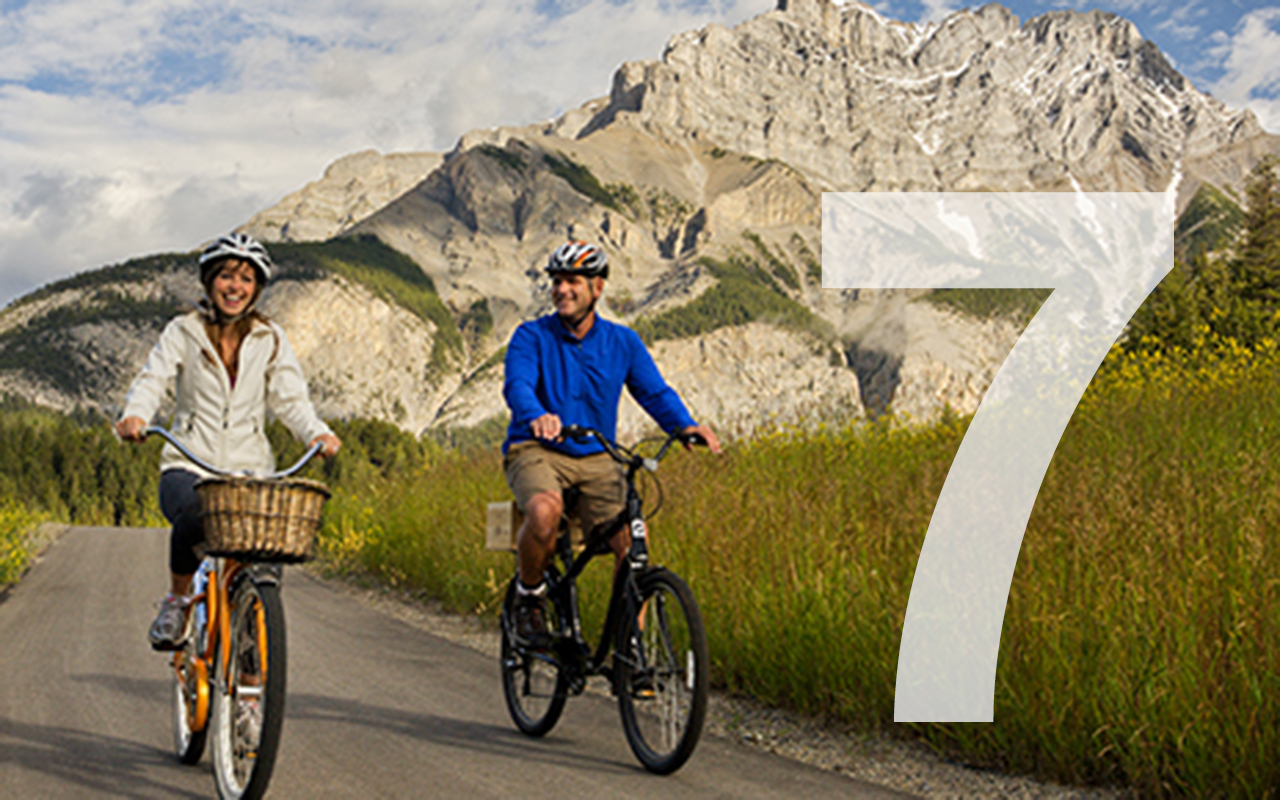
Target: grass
[1212, 222]
[990, 303]
[16, 526]
[777, 267]
[386, 272]
[618, 196]
[743, 293]
[1140, 645]
[511, 160]
[47, 347]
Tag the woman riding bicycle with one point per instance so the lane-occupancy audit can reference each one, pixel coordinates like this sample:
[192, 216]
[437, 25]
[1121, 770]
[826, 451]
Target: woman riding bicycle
[231, 365]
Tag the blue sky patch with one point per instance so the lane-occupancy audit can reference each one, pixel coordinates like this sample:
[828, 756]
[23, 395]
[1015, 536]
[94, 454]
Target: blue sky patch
[178, 72]
[65, 84]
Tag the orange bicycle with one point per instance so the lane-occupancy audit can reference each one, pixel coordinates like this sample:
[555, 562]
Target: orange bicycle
[230, 674]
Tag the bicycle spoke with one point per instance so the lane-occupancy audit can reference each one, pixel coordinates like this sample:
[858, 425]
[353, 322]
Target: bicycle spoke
[250, 701]
[663, 700]
[532, 683]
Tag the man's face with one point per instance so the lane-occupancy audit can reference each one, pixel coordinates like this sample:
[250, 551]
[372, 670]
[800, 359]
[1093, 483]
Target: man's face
[573, 295]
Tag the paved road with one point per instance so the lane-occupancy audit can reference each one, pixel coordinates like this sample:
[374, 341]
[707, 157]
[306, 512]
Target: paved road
[375, 708]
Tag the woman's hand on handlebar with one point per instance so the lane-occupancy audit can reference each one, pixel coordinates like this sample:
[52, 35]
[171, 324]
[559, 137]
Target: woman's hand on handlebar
[708, 437]
[330, 444]
[132, 429]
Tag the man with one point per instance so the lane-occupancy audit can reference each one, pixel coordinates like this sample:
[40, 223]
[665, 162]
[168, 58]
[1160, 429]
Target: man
[569, 368]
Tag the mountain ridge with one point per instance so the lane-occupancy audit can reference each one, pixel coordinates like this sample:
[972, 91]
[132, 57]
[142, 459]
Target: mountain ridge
[702, 172]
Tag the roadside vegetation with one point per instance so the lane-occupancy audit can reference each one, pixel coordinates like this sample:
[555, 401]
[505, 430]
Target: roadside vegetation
[17, 525]
[66, 469]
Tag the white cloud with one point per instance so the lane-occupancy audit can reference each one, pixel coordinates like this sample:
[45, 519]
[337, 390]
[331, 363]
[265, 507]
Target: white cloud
[1183, 22]
[1252, 70]
[938, 10]
[136, 126]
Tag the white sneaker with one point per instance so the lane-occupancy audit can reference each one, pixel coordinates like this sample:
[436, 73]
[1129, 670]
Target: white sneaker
[248, 720]
[169, 631]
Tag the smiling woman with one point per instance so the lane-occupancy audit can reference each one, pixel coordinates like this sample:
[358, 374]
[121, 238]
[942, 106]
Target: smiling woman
[230, 366]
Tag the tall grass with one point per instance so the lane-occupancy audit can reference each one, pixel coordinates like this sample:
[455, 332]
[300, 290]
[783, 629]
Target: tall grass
[1141, 644]
[17, 524]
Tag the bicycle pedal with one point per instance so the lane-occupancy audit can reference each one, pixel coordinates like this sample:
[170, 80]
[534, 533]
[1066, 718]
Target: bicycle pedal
[642, 687]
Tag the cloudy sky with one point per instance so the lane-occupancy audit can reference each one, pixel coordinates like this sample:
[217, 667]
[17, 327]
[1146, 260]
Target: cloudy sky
[130, 127]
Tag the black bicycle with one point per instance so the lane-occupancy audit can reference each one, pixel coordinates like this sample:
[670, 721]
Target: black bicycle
[653, 631]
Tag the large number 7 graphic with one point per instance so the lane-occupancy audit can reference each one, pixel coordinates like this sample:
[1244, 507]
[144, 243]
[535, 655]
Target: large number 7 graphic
[1102, 254]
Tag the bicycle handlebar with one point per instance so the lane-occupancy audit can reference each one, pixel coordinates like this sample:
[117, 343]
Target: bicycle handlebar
[624, 456]
[298, 465]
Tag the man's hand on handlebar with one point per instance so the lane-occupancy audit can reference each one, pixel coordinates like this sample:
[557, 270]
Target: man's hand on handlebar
[132, 429]
[708, 438]
[546, 427]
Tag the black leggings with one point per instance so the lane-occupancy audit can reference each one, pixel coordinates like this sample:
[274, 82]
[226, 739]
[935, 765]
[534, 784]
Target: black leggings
[181, 506]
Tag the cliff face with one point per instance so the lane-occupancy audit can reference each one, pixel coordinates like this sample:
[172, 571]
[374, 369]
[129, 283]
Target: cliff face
[978, 102]
[702, 174]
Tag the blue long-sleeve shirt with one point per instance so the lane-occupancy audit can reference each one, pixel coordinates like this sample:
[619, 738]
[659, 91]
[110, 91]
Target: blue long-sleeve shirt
[550, 371]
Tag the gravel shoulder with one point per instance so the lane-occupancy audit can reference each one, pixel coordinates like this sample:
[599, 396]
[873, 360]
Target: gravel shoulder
[904, 766]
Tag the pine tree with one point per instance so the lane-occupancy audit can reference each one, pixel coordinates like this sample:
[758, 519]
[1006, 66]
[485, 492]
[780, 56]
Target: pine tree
[1257, 268]
[1236, 296]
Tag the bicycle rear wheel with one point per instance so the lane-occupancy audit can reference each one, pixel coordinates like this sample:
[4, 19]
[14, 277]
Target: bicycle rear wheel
[248, 708]
[661, 672]
[535, 689]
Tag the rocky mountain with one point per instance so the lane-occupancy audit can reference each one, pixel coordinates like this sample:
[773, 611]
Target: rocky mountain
[702, 174]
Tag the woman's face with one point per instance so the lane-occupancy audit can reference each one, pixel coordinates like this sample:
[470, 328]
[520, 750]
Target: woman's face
[233, 287]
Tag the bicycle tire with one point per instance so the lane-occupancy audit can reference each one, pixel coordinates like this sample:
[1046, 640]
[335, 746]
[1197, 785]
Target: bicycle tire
[661, 672]
[190, 704]
[246, 735]
[535, 689]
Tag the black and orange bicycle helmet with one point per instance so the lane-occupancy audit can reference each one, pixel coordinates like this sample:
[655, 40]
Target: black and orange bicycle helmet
[578, 258]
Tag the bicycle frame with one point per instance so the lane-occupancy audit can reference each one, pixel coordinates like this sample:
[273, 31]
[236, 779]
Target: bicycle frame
[563, 590]
[219, 576]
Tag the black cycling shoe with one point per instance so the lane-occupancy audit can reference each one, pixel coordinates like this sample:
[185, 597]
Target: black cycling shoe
[531, 623]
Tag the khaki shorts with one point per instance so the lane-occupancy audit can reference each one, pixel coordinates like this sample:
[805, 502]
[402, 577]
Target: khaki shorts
[532, 469]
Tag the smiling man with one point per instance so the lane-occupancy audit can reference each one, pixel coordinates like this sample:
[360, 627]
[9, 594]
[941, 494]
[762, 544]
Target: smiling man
[568, 368]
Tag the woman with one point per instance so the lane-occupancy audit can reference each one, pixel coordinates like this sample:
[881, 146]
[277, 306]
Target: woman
[232, 365]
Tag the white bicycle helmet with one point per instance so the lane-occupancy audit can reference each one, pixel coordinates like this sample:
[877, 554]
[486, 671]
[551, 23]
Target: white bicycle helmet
[578, 258]
[236, 245]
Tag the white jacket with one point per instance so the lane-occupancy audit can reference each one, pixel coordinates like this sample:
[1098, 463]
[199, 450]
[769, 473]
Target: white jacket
[222, 425]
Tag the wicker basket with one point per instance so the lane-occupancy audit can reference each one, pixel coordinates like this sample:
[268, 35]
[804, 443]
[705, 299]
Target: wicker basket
[252, 519]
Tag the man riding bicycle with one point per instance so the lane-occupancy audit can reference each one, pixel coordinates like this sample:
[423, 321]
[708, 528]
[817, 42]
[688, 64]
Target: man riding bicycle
[569, 367]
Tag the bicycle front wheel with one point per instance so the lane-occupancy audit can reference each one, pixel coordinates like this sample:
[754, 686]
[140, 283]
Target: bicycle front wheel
[248, 709]
[535, 688]
[661, 672]
[190, 702]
